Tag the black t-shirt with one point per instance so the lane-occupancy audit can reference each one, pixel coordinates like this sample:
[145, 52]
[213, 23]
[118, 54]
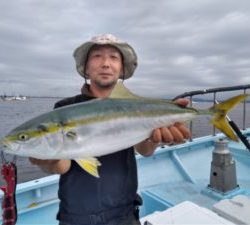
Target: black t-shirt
[82, 194]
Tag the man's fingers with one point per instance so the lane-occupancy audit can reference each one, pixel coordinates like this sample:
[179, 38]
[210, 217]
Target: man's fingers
[182, 101]
[162, 135]
[177, 135]
[184, 130]
[166, 135]
[41, 161]
[156, 136]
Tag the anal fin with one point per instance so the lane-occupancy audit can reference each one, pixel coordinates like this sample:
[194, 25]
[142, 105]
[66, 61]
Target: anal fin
[90, 165]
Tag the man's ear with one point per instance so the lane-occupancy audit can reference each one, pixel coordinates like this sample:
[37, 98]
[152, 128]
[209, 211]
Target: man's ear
[122, 73]
[86, 70]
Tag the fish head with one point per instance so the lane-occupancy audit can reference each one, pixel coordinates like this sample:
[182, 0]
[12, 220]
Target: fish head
[20, 143]
[32, 141]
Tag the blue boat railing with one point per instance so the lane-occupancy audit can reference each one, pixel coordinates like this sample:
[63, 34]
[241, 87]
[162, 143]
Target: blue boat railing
[214, 91]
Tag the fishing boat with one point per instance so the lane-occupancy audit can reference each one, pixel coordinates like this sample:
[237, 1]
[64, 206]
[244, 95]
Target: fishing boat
[11, 98]
[203, 181]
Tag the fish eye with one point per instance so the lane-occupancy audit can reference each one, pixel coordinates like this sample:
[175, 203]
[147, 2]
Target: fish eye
[23, 137]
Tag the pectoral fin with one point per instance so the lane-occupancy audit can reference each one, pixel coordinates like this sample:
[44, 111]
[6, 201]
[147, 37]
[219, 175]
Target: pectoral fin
[90, 165]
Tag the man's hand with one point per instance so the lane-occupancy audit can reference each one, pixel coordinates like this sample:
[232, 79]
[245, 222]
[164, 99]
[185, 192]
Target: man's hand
[52, 166]
[176, 133]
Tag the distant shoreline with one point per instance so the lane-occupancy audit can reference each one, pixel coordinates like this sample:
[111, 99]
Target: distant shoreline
[56, 97]
[44, 97]
[9, 96]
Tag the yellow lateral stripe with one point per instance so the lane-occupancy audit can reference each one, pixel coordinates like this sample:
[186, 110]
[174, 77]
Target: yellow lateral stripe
[86, 121]
[55, 127]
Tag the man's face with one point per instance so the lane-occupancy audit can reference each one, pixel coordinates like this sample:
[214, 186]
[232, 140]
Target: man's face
[104, 65]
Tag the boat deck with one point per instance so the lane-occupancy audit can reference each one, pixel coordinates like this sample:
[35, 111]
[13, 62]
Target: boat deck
[182, 173]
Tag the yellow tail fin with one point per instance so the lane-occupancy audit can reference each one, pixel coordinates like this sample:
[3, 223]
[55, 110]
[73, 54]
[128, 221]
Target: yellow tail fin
[220, 111]
[90, 165]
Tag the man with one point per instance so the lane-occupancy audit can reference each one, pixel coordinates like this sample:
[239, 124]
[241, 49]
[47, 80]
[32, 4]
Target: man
[112, 198]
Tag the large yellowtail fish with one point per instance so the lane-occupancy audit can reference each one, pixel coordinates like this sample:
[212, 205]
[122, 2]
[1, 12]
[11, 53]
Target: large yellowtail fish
[86, 130]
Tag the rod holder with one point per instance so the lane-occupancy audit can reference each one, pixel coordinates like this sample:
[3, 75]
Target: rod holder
[223, 170]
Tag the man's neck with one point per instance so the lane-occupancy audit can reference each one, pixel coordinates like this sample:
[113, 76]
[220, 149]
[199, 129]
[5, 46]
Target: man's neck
[100, 92]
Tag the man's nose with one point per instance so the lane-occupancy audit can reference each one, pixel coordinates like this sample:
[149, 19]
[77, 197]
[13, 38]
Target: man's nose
[106, 62]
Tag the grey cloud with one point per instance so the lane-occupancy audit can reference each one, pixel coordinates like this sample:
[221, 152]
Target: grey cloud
[182, 45]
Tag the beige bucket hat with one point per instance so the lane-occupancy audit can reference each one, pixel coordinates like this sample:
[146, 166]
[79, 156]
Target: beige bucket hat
[128, 54]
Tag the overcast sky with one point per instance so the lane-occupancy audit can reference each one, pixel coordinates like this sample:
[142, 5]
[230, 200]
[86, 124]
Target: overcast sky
[182, 45]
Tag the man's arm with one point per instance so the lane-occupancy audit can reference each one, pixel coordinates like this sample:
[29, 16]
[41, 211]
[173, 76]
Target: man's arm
[176, 133]
[52, 166]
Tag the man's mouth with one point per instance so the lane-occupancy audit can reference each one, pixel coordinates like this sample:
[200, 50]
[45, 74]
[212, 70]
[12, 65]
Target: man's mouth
[105, 74]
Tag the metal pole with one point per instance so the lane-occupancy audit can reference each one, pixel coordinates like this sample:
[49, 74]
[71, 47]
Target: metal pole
[214, 104]
[191, 123]
[244, 112]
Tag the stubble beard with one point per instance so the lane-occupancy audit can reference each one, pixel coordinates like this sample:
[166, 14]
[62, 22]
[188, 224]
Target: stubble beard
[105, 85]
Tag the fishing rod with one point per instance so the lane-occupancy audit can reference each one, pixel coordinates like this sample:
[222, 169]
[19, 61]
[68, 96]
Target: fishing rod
[241, 136]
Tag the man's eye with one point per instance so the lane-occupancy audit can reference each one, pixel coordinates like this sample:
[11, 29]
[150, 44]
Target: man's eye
[96, 55]
[114, 57]
[23, 137]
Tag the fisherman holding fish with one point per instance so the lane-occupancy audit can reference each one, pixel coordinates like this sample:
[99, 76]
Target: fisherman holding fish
[112, 198]
[91, 139]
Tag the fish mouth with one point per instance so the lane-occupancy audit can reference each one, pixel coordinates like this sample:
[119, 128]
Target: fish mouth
[5, 144]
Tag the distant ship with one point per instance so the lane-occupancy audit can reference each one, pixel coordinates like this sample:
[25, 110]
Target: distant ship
[10, 98]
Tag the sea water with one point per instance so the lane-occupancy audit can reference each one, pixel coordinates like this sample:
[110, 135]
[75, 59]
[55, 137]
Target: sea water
[14, 113]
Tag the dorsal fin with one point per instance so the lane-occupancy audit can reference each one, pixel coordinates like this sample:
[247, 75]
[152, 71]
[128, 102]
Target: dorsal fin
[120, 91]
